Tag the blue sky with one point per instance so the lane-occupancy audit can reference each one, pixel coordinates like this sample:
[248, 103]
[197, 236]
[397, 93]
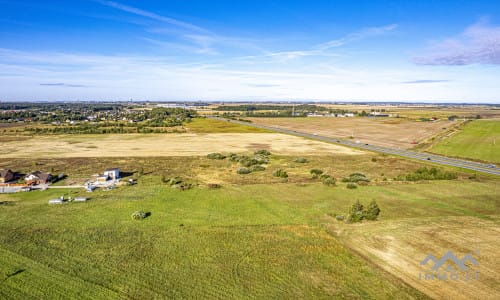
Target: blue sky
[435, 51]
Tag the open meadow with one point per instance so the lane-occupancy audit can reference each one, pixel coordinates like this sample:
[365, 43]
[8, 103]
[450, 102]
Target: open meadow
[479, 139]
[233, 235]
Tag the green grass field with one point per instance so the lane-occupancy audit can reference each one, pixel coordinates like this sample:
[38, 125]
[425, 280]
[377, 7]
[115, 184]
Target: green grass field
[245, 241]
[478, 139]
[205, 125]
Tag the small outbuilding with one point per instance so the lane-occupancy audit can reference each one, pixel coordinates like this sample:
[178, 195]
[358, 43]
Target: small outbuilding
[112, 173]
[80, 199]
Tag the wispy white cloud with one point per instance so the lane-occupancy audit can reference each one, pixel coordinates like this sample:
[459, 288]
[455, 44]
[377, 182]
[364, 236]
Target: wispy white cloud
[478, 44]
[61, 84]
[324, 48]
[359, 35]
[423, 81]
[151, 15]
[121, 77]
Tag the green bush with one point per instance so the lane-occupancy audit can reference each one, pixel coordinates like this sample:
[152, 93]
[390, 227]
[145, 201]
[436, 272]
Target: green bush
[234, 157]
[339, 217]
[356, 213]
[301, 160]
[351, 185]
[261, 159]
[243, 171]
[372, 211]
[262, 152]
[328, 180]
[280, 173]
[248, 162]
[315, 173]
[427, 174]
[216, 156]
[257, 168]
[139, 215]
[356, 178]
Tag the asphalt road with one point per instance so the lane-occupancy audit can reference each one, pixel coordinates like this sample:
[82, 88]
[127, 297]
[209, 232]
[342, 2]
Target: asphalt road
[433, 158]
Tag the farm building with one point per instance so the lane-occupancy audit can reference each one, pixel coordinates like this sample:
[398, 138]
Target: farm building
[113, 173]
[6, 176]
[38, 178]
[80, 199]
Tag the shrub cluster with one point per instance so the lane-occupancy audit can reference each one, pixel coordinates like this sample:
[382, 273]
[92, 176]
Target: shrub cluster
[357, 212]
[251, 164]
[427, 174]
[178, 183]
[257, 168]
[139, 215]
[280, 173]
[358, 178]
[243, 171]
[301, 160]
[352, 186]
[327, 179]
[315, 173]
[262, 152]
[216, 156]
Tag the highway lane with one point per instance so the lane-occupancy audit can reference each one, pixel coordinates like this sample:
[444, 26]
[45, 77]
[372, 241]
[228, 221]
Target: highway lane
[434, 158]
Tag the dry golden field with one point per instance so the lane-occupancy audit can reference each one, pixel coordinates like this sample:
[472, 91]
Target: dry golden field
[389, 132]
[142, 145]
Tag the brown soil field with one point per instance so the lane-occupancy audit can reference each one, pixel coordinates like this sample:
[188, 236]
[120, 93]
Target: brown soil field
[142, 145]
[388, 132]
[399, 246]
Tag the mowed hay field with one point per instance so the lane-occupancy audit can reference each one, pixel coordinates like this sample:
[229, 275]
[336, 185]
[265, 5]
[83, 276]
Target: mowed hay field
[399, 246]
[479, 139]
[389, 132]
[147, 145]
[246, 241]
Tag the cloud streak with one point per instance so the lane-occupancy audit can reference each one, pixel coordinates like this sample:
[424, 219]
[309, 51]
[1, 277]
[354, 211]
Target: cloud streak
[60, 84]
[151, 15]
[359, 35]
[423, 81]
[478, 44]
[323, 49]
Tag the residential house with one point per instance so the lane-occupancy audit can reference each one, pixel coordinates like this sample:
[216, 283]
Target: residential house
[6, 176]
[38, 178]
